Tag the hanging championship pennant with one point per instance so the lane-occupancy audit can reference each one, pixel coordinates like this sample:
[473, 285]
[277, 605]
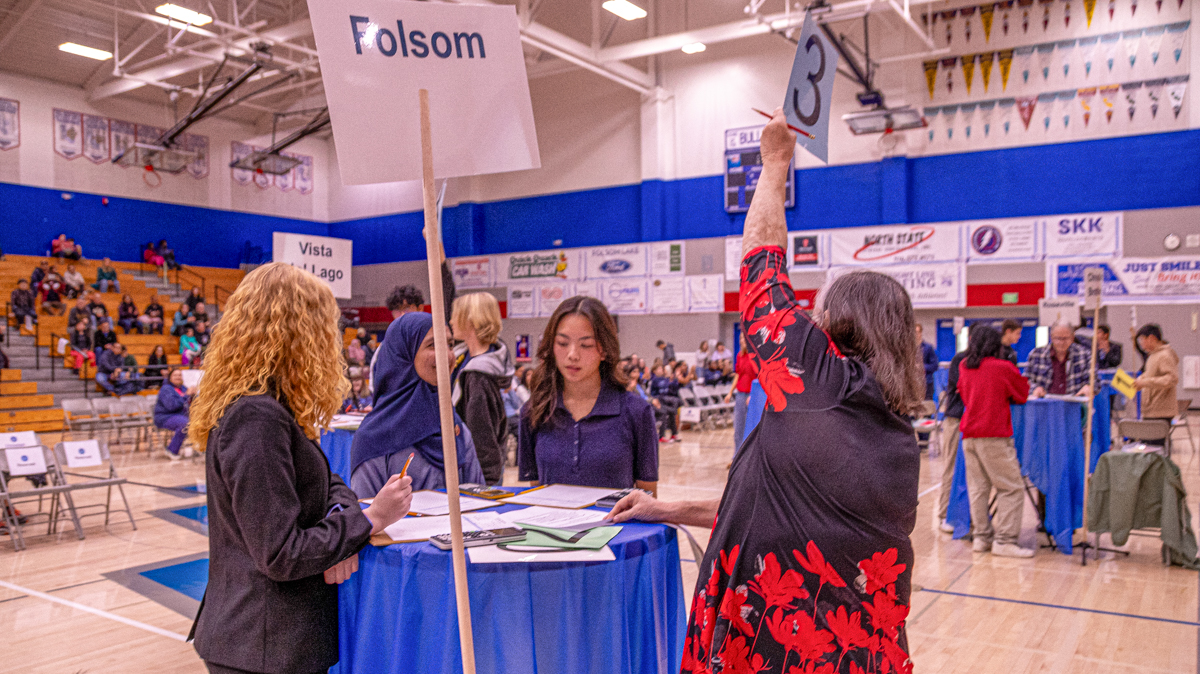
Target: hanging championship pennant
[1045, 54]
[68, 134]
[948, 72]
[1132, 7]
[10, 124]
[1026, 106]
[930, 115]
[968, 68]
[1085, 102]
[1025, 6]
[1047, 103]
[1130, 89]
[930, 75]
[1024, 56]
[810, 88]
[968, 117]
[1006, 107]
[1176, 88]
[122, 136]
[986, 14]
[286, 181]
[1067, 13]
[1006, 59]
[1065, 49]
[95, 139]
[1154, 90]
[1154, 39]
[237, 152]
[1087, 52]
[1005, 10]
[1112, 9]
[985, 67]
[948, 19]
[986, 108]
[198, 167]
[304, 174]
[1089, 8]
[148, 134]
[1109, 44]
[1046, 4]
[1131, 40]
[1066, 103]
[949, 114]
[1175, 35]
[1108, 94]
[967, 13]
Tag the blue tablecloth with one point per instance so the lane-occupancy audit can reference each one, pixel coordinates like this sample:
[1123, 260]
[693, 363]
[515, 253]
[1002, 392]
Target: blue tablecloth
[397, 614]
[1048, 436]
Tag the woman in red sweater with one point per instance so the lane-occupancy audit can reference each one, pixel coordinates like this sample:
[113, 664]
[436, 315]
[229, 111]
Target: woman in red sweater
[988, 384]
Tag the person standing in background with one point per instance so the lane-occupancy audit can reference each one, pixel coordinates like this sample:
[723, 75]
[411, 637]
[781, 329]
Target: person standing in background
[745, 371]
[668, 350]
[1010, 334]
[952, 417]
[988, 384]
[483, 369]
[1108, 353]
[581, 426]
[929, 361]
[404, 300]
[1160, 378]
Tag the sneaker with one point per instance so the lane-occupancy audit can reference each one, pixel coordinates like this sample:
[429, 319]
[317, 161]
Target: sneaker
[674, 438]
[945, 527]
[188, 452]
[1011, 550]
[980, 545]
[173, 457]
[664, 440]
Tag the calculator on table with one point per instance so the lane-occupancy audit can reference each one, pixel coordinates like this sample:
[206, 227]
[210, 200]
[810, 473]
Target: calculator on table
[472, 539]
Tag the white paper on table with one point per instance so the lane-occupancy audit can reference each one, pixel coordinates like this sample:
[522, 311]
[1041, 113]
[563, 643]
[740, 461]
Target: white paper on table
[437, 503]
[556, 518]
[1071, 399]
[561, 496]
[490, 554]
[346, 422]
[410, 529]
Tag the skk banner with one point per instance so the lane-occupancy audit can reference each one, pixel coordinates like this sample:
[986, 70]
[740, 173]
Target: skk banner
[1009, 240]
[1131, 280]
[931, 286]
[1095, 235]
[895, 244]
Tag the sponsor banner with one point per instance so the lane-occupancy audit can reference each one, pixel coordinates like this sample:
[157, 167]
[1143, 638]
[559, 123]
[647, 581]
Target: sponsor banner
[547, 297]
[95, 139]
[327, 258]
[122, 136]
[1083, 235]
[587, 289]
[286, 181]
[705, 294]
[472, 272]
[666, 258]
[667, 295]
[539, 265]
[806, 251]
[931, 286]
[895, 244]
[68, 134]
[733, 258]
[10, 123]
[1131, 280]
[626, 296]
[521, 301]
[608, 262]
[1010, 240]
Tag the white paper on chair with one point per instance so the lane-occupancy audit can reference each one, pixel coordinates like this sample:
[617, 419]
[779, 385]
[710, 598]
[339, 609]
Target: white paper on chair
[25, 461]
[19, 439]
[191, 378]
[561, 496]
[437, 503]
[409, 529]
[491, 554]
[82, 453]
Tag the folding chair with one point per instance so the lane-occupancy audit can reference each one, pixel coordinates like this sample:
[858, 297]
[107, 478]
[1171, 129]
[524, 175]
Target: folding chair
[23, 455]
[103, 408]
[79, 416]
[1153, 430]
[1182, 420]
[83, 454]
[128, 416]
[926, 422]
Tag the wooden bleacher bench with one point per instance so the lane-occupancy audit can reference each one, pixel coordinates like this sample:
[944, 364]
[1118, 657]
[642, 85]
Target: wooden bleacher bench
[10, 375]
[41, 421]
[15, 402]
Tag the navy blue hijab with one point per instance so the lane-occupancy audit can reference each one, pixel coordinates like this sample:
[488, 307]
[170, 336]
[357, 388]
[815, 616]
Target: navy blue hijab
[405, 410]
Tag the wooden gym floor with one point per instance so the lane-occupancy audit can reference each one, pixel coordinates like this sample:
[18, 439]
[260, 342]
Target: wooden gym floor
[121, 600]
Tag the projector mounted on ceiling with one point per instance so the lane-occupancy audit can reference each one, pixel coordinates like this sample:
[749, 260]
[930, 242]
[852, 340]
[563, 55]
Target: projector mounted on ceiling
[884, 120]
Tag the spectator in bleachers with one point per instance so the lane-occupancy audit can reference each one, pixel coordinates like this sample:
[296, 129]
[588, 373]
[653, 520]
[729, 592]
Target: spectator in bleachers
[99, 311]
[171, 411]
[74, 281]
[65, 248]
[199, 313]
[24, 304]
[364, 338]
[39, 273]
[356, 359]
[684, 374]
[358, 401]
[111, 372]
[168, 255]
[668, 350]
[151, 320]
[103, 336]
[127, 315]
[194, 297]
[156, 365]
[203, 334]
[79, 313]
[183, 320]
[106, 277]
[82, 349]
[150, 255]
[189, 348]
[51, 289]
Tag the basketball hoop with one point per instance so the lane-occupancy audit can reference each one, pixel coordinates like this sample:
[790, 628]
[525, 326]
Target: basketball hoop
[151, 177]
[160, 158]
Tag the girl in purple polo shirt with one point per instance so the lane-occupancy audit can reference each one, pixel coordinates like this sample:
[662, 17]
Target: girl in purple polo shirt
[581, 426]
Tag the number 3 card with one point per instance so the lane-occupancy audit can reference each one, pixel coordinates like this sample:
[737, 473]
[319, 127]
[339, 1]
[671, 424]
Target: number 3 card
[810, 88]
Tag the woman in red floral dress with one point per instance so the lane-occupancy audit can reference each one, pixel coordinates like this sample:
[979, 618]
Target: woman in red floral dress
[809, 565]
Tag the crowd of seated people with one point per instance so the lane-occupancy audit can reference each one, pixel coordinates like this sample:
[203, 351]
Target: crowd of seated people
[66, 249]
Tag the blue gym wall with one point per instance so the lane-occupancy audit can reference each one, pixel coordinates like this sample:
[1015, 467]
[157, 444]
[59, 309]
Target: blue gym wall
[1134, 172]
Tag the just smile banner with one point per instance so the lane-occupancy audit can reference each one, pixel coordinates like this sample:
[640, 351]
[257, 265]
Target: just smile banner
[1131, 280]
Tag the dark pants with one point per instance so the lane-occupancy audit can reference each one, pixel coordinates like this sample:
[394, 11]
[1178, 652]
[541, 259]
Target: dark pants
[667, 415]
[220, 669]
[177, 423]
[130, 324]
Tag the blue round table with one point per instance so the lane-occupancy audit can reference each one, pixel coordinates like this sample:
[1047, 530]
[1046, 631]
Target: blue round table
[397, 614]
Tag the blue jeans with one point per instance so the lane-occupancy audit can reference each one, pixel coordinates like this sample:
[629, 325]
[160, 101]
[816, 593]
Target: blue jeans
[103, 284]
[104, 380]
[740, 401]
[177, 423]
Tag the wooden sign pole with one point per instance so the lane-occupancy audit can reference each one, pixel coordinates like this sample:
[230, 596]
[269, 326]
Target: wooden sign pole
[1087, 431]
[441, 342]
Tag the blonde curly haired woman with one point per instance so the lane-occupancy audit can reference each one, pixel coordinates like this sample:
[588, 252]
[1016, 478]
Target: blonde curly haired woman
[282, 528]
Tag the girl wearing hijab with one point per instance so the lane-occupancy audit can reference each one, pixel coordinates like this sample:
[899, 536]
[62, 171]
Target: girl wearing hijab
[404, 421]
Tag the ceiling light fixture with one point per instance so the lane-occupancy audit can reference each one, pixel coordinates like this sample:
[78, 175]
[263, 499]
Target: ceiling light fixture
[184, 14]
[694, 48]
[80, 50]
[625, 9]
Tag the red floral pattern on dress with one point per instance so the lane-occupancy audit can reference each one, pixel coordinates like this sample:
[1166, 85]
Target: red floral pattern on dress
[777, 382]
[881, 570]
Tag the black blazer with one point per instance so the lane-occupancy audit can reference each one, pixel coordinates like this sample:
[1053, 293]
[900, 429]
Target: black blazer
[271, 536]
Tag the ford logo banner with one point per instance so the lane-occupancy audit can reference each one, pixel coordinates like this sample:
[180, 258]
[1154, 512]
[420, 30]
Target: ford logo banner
[614, 266]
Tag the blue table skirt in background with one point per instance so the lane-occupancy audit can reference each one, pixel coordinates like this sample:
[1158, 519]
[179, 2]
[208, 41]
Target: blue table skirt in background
[336, 445]
[1048, 436]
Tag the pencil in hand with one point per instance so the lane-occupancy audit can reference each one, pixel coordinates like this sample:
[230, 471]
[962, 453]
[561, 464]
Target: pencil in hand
[799, 131]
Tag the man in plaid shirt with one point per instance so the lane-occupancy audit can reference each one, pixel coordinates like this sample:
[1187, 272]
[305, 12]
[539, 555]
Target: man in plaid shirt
[1061, 367]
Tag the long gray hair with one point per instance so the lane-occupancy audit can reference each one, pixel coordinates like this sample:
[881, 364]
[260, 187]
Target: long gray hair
[869, 316]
